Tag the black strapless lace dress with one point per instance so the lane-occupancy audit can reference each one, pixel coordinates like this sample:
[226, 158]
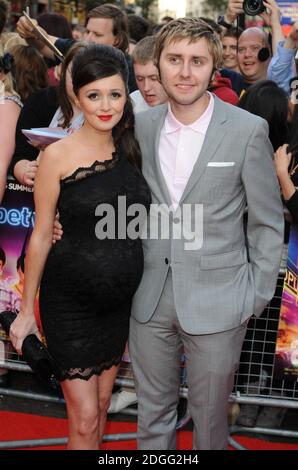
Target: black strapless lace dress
[88, 284]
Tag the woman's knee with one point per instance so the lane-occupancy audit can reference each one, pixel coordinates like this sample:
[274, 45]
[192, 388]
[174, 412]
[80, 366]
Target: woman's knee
[86, 422]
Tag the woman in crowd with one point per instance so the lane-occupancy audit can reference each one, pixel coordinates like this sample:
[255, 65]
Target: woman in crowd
[87, 284]
[10, 107]
[267, 100]
[41, 111]
[286, 164]
[29, 70]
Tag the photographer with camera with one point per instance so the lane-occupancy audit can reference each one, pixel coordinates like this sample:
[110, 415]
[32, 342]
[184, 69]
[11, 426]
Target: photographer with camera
[266, 9]
[253, 44]
[282, 65]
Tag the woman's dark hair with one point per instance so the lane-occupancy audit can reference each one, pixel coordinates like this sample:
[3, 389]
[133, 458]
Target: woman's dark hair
[267, 100]
[64, 102]
[97, 61]
[138, 27]
[55, 25]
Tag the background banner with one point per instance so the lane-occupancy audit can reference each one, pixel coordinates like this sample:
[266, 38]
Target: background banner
[286, 354]
[16, 223]
[289, 11]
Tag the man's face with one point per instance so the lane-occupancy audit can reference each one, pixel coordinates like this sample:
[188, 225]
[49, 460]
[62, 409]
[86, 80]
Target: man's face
[150, 87]
[229, 46]
[186, 69]
[249, 45]
[100, 31]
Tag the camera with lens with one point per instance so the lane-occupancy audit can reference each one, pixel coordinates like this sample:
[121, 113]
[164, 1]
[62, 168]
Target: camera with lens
[253, 7]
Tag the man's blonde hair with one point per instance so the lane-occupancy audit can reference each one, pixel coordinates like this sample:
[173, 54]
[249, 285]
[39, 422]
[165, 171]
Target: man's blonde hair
[192, 29]
[144, 51]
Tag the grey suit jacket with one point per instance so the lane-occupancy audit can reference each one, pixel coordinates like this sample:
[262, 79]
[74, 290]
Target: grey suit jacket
[226, 280]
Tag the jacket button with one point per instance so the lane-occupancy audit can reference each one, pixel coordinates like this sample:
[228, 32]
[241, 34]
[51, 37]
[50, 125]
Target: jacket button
[166, 261]
[176, 220]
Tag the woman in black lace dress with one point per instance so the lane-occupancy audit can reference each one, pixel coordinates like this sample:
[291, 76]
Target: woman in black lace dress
[88, 279]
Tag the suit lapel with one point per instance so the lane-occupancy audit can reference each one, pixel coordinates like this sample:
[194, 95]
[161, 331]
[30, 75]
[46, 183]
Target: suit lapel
[214, 136]
[158, 122]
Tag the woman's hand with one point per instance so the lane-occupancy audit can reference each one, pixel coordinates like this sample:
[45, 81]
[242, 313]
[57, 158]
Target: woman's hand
[24, 325]
[282, 160]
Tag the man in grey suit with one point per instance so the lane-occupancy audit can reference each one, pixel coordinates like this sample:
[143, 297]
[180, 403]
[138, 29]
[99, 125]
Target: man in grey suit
[200, 153]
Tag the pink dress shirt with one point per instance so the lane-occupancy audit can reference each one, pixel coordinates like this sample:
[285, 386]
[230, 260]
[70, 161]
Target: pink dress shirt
[179, 149]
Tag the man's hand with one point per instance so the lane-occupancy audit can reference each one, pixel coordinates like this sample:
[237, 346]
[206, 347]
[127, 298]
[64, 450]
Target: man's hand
[234, 9]
[30, 173]
[24, 28]
[272, 15]
[57, 230]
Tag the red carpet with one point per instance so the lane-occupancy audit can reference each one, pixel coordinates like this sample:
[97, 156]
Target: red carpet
[21, 426]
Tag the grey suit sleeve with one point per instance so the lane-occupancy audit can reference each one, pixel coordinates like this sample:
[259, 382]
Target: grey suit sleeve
[265, 229]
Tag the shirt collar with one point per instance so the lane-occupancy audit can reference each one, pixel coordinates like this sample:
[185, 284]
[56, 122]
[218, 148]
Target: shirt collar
[200, 125]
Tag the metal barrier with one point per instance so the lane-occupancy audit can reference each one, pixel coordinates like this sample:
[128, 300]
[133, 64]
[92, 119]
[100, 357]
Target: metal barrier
[255, 383]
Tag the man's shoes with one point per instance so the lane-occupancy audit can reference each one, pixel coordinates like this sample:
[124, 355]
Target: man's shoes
[121, 400]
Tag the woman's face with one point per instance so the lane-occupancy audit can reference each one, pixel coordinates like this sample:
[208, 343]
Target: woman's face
[102, 102]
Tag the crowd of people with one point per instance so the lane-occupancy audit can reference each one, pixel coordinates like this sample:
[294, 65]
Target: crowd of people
[183, 114]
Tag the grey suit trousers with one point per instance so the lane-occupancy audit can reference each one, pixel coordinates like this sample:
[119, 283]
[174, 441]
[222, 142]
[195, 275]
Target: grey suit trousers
[211, 361]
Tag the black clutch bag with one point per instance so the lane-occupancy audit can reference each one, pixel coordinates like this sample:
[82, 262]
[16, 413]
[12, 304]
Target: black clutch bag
[35, 353]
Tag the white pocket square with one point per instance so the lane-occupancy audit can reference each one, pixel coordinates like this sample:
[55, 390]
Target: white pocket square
[221, 164]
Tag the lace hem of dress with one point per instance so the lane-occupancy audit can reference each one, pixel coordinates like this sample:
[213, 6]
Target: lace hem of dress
[96, 167]
[87, 373]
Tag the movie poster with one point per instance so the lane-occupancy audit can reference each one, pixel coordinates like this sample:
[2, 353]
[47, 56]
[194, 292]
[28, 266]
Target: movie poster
[286, 353]
[16, 223]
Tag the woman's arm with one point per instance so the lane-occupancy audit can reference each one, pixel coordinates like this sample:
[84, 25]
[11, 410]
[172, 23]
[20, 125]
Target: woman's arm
[9, 113]
[272, 18]
[46, 193]
[282, 160]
